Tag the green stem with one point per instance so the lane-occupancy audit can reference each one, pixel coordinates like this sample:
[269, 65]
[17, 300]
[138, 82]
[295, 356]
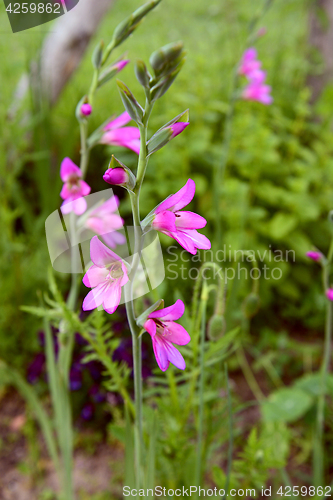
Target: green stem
[199, 471]
[318, 455]
[231, 433]
[136, 340]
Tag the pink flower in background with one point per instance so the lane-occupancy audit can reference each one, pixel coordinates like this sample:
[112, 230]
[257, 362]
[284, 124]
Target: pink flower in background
[86, 109]
[74, 188]
[121, 64]
[103, 221]
[106, 277]
[329, 294]
[255, 90]
[116, 176]
[316, 256]
[249, 62]
[115, 134]
[165, 332]
[181, 225]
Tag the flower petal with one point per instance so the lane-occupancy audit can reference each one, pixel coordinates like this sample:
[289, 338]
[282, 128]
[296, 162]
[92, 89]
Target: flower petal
[198, 239]
[120, 121]
[178, 200]
[165, 221]
[95, 297]
[160, 352]
[169, 313]
[94, 276]
[68, 168]
[113, 239]
[112, 297]
[150, 327]
[79, 206]
[84, 188]
[176, 333]
[184, 240]
[65, 193]
[174, 356]
[189, 220]
[100, 254]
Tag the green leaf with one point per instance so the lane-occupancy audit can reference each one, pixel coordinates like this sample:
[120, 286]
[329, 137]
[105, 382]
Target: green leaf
[286, 405]
[312, 384]
[132, 106]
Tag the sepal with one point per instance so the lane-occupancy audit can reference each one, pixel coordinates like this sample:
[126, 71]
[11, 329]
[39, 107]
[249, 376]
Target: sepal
[128, 180]
[132, 106]
[97, 56]
[143, 317]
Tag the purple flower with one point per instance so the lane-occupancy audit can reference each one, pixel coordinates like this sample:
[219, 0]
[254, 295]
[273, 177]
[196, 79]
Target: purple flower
[86, 109]
[116, 176]
[127, 137]
[88, 411]
[75, 378]
[74, 188]
[106, 277]
[249, 62]
[181, 225]
[36, 368]
[103, 221]
[314, 255]
[256, 90]
[165, 332]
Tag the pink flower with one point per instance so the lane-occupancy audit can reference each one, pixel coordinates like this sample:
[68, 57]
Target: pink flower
[116, 176]
[121, 64]
[86, 109]
[103, 221]
[164, 331]
[106, 277]
[249, 62]
[181, 226]
[127, 137]
[178, 127]
[256, 90]
[314, 255]
[329, 294]
[74, 188]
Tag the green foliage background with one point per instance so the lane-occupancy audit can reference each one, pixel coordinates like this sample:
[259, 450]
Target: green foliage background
[278, 186]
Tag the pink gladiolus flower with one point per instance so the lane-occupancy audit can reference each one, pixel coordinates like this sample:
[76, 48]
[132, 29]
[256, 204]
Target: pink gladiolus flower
[314, 255]
[127, 137]
[181, 225]
[121, 64]
[329, 294]
[116, 176]
[249, 62]
[74, 188]
[178, 127]
[106, 277]
[256, 90]
[103, 221]
[86, 109]
[164, 331]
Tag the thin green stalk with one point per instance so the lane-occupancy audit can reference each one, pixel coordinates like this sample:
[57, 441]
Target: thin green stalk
[136, 340]
[231, 433]
[250, 379]
[318, 455]
[199, 468]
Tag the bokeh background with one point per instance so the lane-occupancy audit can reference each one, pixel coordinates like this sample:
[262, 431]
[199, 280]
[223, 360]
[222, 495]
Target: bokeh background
[278, 192]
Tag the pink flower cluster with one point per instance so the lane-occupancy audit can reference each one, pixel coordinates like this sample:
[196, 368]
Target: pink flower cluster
[256, 89]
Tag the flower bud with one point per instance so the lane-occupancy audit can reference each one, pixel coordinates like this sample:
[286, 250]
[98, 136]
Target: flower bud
[216, 327]
[86, 109]
[251, 305]
[167, 132]
[119, 175]
[316, 256]
[329, 294]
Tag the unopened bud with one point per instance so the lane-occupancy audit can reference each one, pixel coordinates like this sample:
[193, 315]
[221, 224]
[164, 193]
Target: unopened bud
[316, 256]
[251, 305]
[86, 109]
[216, 327]
[119, 175]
